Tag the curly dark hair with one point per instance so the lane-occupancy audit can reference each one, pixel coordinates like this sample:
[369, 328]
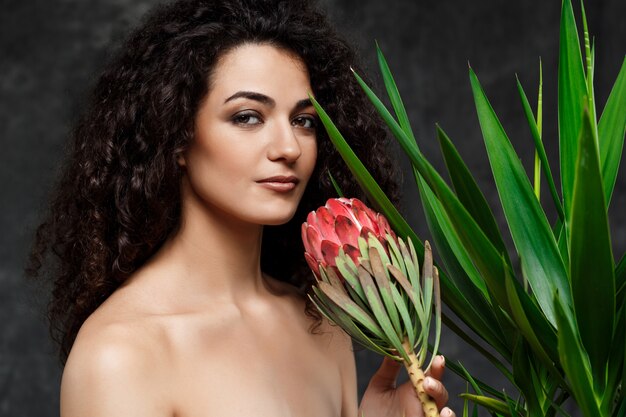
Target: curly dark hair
[118, 197]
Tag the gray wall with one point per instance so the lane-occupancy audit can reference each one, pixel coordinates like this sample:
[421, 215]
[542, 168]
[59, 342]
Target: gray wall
[51, 50]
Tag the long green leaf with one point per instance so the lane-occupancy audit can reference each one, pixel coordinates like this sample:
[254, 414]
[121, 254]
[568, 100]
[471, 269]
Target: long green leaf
[378, 260]
[376, 304]
[468, 192]
[335, 185]
[394, 94]
[538, 122]
[589, 65]
[476, 383]
[470, 296]
[351, 308]
[486, 257]
[620, 279]
[572, 93]
[364, 178]
[480, 209]
[540, 344]
[616, 362]
[541, 151]
[403, 310]
[333, 313]
[471, 340]
[528, 225]
[591, 258]
[611, 130]
[575, 362]
[489, 403]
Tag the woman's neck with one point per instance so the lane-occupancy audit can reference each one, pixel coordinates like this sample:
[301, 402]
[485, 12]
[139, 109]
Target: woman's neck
[212, 257]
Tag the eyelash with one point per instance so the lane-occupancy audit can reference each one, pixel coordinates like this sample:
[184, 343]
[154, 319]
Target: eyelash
[243, 119]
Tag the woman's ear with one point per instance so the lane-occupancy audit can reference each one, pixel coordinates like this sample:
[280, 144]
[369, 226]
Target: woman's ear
[180, 159]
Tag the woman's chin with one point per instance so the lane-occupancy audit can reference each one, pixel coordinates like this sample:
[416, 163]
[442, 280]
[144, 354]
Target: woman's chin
[277, 218]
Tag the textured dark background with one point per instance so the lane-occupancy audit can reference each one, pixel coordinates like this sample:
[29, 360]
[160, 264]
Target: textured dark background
[51, 51]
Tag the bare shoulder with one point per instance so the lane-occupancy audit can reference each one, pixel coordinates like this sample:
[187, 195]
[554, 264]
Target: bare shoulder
[115, 368]
[339, 341]
[342, 353]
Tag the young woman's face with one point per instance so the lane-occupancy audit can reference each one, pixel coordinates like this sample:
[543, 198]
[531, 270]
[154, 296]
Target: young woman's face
[255, 142]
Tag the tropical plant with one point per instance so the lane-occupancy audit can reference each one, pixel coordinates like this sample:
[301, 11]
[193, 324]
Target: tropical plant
[553, 308]
[368, 282]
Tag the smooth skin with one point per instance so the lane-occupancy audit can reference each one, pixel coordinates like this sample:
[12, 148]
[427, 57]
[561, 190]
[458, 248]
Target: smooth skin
[199, 330]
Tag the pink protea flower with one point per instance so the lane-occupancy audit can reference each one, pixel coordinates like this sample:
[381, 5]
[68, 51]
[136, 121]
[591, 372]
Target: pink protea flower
[339, 224]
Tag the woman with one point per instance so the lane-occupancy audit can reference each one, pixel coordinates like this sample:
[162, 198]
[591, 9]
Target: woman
[180, 281]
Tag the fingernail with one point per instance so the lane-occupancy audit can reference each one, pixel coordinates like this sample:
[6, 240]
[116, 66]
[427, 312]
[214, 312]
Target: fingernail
[428, 382]
[446, 412]
[443, 360]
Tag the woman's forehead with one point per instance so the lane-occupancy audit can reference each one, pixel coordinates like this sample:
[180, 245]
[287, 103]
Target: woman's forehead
[262, 68]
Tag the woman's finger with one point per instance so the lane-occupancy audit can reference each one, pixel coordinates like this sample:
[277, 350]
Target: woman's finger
[385, 378]
[436, 391]
[437, 368]
[447, 412]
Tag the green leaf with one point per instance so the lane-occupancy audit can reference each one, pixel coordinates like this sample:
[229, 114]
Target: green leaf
[575, 362]
[620, 279]
[523, 374]
[541, 151]
[349, 272]
[489, 403]
[481, 249]
[529, 323]
[468, 192]
[351, 308]
[471, 340]
[406, 286]
[333, 313]
[403, 310]
[376, 304]
[381, 277]
[589, 63]
[465, 291]
[611, 130]
[335, 185]
[394, 94]
[539, 124]
[591, 258]
[572, 94]
[476, 383]
[528, 225]
[374, 193]
[616, 363]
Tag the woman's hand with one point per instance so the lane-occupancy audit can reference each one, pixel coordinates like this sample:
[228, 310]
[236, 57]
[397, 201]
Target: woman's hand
[383, 399]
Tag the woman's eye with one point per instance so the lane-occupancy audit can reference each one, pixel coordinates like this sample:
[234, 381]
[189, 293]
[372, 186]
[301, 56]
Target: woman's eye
[307, 122]
[247, 119]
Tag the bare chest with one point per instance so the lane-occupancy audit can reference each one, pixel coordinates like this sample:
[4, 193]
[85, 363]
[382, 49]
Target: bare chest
[261, 371]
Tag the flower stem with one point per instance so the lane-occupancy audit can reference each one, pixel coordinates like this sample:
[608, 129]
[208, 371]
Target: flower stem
[417, 379]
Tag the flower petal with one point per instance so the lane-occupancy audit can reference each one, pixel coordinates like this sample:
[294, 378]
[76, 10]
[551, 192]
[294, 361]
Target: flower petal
[313, 264]
[313, 242]
[384, 226]
[325, 223]
[340, 206]
[347, 231]
[365, 233]
[330, 250]
[365, 216]
[353, 253]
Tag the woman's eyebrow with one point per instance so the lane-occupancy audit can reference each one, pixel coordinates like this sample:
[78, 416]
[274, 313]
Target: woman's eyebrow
[251, 95]
[303, 104]
[262, 98]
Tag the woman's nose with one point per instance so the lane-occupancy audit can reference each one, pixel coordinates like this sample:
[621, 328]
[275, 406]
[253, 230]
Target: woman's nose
[284, 144]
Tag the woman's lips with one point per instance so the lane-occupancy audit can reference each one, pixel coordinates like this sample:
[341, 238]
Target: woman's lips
[279, 183]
